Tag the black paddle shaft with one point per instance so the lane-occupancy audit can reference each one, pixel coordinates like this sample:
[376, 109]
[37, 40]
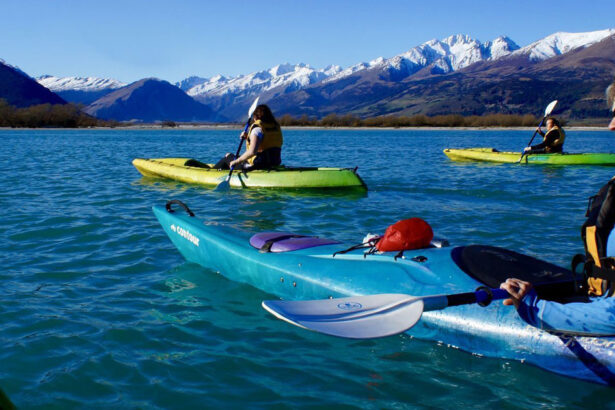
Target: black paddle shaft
[239, 148]
[536, 132]
[483, 296]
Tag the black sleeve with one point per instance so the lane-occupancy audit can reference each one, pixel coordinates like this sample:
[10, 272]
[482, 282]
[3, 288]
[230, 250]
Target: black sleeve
[549, 138]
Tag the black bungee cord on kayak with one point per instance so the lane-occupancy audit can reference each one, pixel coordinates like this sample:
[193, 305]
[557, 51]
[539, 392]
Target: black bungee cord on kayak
[371, 244]
[180, 203]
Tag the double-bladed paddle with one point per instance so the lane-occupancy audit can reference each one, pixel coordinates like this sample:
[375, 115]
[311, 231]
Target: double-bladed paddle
[224, 185]
[371, 316]
[548, 111]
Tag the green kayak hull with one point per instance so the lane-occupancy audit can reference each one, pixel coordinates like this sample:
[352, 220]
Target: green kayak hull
[493, 155]
[280, 177]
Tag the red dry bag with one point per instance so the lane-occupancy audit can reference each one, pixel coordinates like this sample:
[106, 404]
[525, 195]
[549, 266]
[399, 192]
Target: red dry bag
[413, 233]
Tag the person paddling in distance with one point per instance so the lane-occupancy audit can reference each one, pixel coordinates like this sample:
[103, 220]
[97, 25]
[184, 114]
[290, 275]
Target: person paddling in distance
[553, 139]
[610, 96]
[593, 317]
[263, 143]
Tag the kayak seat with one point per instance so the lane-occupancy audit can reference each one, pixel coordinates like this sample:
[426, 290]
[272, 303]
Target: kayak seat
[286, 241]
[492, 265]
[194, 163]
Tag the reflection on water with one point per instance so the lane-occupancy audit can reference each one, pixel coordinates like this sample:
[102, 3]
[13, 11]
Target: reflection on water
[165, 185]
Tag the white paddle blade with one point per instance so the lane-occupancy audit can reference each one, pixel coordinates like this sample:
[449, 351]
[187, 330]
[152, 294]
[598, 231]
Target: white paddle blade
[357, 317]
[549, 108]
[224, 185]
[253, 107]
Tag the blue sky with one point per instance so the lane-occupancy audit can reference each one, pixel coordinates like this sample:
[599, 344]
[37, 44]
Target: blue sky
[133, 39]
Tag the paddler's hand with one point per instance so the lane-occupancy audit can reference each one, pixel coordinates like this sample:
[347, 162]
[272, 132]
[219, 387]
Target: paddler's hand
[243, 135]
[233, 164]
[527, 149]
[539, 131]
[517, 289]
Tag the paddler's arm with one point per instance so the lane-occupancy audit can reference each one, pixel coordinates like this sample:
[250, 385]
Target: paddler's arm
[538, 148]
[596, 318]
[250, 152]
[540, 131]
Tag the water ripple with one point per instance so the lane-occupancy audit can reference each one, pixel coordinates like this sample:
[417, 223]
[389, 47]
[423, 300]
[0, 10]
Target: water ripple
[99, 310]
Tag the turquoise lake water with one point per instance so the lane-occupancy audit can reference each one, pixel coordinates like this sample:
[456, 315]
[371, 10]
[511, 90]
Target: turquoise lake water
[99, 310]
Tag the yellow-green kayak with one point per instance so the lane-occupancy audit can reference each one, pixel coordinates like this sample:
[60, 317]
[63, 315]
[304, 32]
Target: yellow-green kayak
[493, 155]
[281, 177]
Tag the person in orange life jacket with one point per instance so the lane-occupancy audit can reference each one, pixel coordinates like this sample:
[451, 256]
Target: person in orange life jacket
[589, 318]
[553, 139]
[263, 143]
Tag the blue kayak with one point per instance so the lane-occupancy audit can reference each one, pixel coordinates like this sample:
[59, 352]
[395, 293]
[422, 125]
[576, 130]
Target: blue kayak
[297, 267]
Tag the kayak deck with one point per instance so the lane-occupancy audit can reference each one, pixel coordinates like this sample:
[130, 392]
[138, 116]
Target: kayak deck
[493, 155]
[280, 177]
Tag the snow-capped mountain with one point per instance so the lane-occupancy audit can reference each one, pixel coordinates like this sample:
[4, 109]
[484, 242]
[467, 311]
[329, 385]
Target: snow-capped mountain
[289, 77]
[561, 43]
[80, 90]
[450, 54]
[383, 77]
[353, 69]
[78, 83]
[190, 82]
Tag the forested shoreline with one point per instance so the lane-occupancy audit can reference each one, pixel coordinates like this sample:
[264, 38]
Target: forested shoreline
[72, 116]
[48, 115]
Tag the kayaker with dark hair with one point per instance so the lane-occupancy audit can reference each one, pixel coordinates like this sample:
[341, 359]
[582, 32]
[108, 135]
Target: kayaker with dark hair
[595, 316]
[263, 143]
[553, 139]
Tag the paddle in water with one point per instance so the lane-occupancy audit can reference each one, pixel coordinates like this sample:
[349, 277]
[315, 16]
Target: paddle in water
[548, 111]
[371, 316]
[224, 185]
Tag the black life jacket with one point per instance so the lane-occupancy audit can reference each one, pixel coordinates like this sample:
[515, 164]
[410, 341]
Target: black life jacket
[598, 267]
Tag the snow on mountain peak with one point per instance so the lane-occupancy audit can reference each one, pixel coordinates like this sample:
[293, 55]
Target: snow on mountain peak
[78, 83]
[436, 56]
[340, 73]
[190, 82]
[289, 76]
[455, 39]
[561, 43]
[500, 47]
[450, 54]
[286, 68]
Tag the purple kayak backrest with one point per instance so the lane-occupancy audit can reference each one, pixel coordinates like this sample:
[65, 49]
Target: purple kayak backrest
[287, 241]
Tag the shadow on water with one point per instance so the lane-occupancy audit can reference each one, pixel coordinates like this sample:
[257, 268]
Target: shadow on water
[5, 402]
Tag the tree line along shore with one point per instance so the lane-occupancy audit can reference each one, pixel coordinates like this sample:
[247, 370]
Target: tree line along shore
[72, 116]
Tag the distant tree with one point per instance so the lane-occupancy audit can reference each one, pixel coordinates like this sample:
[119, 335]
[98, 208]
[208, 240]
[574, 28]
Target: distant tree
[419, 120]
[168, 123]
[48, 115]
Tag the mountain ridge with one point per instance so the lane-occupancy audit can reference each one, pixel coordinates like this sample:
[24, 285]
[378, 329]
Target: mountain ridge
[383, 86]
[20, 90]
[151, 100]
